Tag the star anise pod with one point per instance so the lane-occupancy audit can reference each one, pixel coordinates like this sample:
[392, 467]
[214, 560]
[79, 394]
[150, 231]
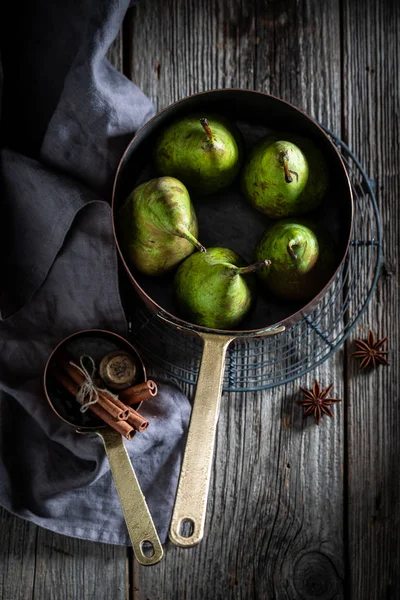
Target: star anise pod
[370, 351]
[316, 401]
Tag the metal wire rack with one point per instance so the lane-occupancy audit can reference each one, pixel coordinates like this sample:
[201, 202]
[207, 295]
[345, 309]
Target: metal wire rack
[261, 363]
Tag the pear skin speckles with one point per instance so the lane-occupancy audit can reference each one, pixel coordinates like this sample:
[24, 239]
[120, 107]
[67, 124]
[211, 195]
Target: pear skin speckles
[185, 150]
[157, 226]
[210, 292]
[274, 177]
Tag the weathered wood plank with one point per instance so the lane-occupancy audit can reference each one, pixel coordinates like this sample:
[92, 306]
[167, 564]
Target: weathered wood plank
[371, 110]
[275, 514]
[17, 557]
[115, 52]
[70, 568]
[298, 56]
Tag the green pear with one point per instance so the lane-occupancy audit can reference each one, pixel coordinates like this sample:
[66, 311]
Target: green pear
[158, 226]
[294, 251]
[318, 174]
[203, 153]
[304, 259]
[215, 289]
[275, 176]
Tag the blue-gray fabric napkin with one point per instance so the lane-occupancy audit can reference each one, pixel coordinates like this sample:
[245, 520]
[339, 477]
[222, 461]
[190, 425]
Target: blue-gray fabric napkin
[67, 115]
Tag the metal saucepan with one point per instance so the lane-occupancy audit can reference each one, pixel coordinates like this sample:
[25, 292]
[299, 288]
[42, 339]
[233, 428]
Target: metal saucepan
[226, 220]
[146, 545]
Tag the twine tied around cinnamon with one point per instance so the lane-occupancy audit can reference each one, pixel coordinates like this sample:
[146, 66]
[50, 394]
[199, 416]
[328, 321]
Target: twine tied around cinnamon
[88, 393]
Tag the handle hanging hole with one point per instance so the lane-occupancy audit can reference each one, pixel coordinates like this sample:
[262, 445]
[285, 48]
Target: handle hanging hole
[186, 528]
[147, 548]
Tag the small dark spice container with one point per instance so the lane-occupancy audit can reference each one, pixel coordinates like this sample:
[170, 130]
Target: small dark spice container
[97, 344]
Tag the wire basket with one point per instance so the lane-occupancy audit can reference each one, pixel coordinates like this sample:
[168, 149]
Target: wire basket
[261, 363]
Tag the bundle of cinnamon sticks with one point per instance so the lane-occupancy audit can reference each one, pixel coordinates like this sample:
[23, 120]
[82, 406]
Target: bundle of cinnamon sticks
[115, 411]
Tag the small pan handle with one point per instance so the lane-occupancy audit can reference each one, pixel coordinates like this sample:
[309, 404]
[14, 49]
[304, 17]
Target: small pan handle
[137, 516]
[191, 497]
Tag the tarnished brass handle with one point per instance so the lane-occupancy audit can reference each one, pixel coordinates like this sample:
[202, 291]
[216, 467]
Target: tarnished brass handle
[194, 481]
[137, 516]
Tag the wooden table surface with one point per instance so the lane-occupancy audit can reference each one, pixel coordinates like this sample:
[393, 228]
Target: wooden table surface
[295, 511]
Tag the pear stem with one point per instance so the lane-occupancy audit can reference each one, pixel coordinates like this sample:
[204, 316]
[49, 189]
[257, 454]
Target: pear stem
[285, 163]
[190, 238]
[254, 267]
[206, 126]
[290, 248]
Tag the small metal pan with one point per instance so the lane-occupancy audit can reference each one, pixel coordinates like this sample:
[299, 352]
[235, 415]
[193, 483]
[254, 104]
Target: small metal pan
[226, 220]
[146, 545]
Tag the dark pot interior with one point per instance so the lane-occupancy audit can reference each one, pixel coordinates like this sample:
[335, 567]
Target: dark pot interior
[226, 219]
[96, 344]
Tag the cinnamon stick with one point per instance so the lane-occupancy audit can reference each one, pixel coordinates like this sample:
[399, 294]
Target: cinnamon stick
[106, 399]
[123, 427]
[112, 405]
[137, 421]
[139, 393]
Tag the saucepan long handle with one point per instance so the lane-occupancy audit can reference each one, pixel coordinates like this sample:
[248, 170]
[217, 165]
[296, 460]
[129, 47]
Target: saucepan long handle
[191, 497]
[137, 516]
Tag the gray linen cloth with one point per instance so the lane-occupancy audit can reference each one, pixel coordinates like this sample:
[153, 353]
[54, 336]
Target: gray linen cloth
[59, 269]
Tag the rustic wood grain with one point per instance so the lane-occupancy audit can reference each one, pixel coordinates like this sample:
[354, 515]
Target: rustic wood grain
[275, 515]
[17, 557]
[371, 117]
[115, 52]
[75, 569]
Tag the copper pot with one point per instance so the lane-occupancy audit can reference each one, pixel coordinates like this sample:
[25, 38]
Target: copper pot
[256, 113]
[146, 545]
